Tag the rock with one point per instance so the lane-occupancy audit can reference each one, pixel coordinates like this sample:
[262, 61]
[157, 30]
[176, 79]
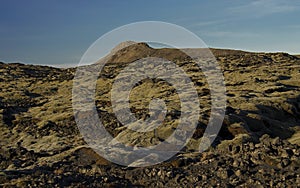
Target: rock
[236, 163]
[238, 173]
[204, 177]
[285, 153]
[224, 174]
[265, 140]
[41, 144]
[276, 141]
[285, 162]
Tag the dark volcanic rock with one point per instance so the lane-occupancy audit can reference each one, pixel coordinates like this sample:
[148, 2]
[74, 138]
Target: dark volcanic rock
[257, 146]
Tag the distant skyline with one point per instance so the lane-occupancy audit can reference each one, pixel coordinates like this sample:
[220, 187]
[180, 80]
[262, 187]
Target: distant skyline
[59, 32]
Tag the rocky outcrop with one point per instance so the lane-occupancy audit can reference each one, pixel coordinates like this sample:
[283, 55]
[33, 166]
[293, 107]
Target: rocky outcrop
[258, 144]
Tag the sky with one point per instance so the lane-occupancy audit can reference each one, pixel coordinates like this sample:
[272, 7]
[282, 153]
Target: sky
[58, 32]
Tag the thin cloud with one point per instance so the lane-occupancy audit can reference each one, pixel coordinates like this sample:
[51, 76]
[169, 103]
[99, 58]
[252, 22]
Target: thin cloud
[230, 34]
[208, 23]
[294, 26]
[261, 8]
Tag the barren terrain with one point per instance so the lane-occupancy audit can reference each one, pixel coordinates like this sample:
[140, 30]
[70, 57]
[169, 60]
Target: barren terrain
[258, 145]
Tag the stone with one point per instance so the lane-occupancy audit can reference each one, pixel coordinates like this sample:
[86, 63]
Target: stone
[42, 146]
[238, 173]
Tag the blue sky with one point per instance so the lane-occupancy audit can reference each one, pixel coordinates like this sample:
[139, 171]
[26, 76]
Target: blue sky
[54, 32]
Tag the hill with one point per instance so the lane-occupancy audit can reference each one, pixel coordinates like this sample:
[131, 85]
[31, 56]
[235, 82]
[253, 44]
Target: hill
[258, 144]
